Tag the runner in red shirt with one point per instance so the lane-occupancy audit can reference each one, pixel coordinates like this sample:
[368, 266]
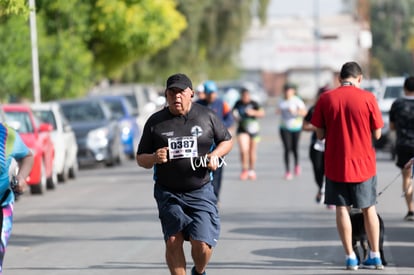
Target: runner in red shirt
[348, 118]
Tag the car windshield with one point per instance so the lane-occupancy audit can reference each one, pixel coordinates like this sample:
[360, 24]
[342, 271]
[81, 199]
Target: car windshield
[393, 92]
[132, 100]
[20, 121]
[83, 112]
[46, 116]
[116, 108]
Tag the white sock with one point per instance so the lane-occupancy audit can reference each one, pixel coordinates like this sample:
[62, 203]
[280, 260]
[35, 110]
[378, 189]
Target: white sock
[352, 256]
[374, 254]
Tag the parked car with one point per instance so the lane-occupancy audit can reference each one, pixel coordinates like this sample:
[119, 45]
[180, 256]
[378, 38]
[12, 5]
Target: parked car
[36, 135]
[392, 88]
[143, 98]
[373, 86]
[96, 131]
[63, 137]
[127, 118]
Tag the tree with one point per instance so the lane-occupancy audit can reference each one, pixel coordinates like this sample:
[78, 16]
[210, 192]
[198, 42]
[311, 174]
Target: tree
[77, 51]
[120, 39]
[13, 7]
[208, 48]
[390, 25]
[15, 69]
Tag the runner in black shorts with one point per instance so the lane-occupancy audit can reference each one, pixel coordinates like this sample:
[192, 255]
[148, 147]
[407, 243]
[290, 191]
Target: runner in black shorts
[402, 120]
[178, 143]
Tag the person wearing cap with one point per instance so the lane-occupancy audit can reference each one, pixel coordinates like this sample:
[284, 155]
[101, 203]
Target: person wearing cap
[224, 112]
[183, 143]
[291, 109]
[11, 147]
[348, 118]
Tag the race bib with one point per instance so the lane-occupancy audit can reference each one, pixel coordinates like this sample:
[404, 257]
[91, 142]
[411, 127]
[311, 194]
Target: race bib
[182, 147]
[251, 126]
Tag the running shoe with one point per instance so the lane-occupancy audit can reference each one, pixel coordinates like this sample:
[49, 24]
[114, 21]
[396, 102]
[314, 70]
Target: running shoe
[351, 264]
[320, 197]
[244, 175]
[409, 216]
[194, 272]
[297, 170]
[330, 207]
[288, 176]
[252, 175]
[373, 263]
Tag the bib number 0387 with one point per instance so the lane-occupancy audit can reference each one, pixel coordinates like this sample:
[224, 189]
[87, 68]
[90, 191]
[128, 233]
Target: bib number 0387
[182, 147]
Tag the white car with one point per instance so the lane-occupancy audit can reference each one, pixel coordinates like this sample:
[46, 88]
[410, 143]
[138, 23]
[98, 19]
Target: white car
[63, 137]
[392, 88]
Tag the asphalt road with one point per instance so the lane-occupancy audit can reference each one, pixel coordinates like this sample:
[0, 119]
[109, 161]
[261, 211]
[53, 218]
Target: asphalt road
[105, 222]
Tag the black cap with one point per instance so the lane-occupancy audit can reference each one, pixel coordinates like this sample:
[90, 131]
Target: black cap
[180, 81]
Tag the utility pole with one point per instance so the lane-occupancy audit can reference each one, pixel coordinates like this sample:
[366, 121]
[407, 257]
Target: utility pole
[35, 56]
[317, 36]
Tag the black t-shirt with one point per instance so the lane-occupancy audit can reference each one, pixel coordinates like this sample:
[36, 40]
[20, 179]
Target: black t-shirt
[245, 119]
[402, 115]
[178, 174]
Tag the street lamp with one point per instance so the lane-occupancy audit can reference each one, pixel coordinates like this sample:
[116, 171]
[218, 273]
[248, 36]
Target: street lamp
[35, 56]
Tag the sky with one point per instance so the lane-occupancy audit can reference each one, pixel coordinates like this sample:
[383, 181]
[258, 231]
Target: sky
[303, 7]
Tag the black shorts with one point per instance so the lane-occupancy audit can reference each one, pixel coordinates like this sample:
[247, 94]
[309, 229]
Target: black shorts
[403, 154]
[357, 195]
[193, 213]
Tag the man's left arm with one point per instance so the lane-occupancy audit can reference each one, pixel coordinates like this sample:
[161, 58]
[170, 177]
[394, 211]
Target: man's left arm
[378, 122]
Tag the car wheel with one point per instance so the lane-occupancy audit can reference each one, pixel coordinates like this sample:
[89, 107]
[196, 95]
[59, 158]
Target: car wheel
[121, 158]
[63, 177]
[121, 155]
[41, 186]
[52, 181]
[73, 171]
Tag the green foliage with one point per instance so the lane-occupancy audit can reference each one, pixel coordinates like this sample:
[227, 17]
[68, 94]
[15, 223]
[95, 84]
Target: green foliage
[8, 7]
[67, 71]
[124, 31]
[80, 42]
[390, 25]
[208, 48]
[15, 58]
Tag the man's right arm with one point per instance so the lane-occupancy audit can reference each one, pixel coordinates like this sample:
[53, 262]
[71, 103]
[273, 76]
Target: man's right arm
[147, 161]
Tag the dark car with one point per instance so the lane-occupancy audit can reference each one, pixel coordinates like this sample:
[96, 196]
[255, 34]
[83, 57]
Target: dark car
[127, 117]
[96, 131]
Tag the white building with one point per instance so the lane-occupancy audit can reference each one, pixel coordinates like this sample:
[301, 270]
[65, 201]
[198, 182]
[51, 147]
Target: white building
[289, 49]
